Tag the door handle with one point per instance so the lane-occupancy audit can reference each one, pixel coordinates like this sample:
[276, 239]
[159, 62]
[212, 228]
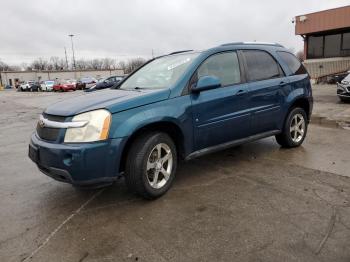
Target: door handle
[241, 92]
[283, 83]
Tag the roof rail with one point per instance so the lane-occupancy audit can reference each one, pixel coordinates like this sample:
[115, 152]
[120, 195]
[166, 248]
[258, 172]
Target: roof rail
[252, 43]
[179, 52]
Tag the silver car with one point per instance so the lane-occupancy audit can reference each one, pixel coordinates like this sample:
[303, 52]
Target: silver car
[343, 89]
[47, 85]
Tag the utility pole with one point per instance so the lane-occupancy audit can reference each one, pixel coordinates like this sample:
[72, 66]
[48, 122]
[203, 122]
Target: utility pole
[71, 39]
[65, 53]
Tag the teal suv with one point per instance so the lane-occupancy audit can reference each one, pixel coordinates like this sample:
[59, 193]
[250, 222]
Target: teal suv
[175, 107]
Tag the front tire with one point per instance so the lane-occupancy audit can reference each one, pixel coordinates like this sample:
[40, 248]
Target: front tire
[344, 100]
[151, 165]
[294, 129]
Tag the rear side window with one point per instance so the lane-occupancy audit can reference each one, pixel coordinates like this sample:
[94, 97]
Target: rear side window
[293, 63]
[261, 65]
[225, 66]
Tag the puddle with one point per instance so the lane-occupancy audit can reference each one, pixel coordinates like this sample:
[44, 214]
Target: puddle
[323, 121]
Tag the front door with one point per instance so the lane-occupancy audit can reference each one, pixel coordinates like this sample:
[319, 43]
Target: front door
[219, 114]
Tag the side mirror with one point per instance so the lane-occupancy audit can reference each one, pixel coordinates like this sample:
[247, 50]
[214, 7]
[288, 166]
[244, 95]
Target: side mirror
[206, 83]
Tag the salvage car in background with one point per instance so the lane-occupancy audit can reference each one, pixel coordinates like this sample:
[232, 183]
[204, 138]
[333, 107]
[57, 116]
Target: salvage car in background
[64, 85]
[335, 79]
[105, 83]
[25, 86]
[35, 87]
[86, 82]
[47, 85]
[343, 89]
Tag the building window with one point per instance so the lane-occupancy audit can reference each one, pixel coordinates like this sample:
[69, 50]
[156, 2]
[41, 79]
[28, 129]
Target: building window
[332, 45]
[346, 41]
[315, 47]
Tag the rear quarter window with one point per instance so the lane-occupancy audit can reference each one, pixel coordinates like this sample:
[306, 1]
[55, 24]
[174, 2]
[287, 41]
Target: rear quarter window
[293, 63]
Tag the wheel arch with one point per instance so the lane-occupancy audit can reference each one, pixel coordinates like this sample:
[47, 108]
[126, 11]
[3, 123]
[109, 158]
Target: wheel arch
[169, 127]
[303, 103]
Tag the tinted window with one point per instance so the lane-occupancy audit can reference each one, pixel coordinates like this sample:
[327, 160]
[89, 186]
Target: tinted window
[293, 63]
[261, 65]
[225, 66]
[315, 47]
[346, 41]
[332, 45]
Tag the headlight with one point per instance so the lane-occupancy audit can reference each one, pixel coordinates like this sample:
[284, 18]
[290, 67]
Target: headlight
[96, 129]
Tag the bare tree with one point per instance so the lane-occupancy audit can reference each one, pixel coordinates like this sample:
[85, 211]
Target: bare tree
[40, 64]
[62, 64]
[96, 64]
[55, 63]
[5, 67]
[132, 64]
[108, 63]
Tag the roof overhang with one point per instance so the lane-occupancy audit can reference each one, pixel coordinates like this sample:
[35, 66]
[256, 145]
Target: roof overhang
[327, 20]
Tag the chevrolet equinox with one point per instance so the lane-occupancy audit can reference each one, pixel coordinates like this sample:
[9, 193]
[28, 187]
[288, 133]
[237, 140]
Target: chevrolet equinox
[177, 106]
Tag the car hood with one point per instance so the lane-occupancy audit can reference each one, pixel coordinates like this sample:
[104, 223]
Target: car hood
[346, 80]
[114, 100]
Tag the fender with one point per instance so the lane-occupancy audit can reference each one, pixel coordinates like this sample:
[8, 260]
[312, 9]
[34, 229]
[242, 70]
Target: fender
[177, 111]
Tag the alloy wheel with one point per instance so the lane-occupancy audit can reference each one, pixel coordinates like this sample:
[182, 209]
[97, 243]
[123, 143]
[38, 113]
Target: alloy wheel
[297, 128]
[159, 165]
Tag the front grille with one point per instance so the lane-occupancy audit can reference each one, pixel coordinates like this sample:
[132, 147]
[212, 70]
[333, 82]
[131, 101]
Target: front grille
[48, 133]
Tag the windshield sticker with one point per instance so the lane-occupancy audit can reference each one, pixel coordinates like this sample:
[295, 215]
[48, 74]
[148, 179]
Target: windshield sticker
[171, 67]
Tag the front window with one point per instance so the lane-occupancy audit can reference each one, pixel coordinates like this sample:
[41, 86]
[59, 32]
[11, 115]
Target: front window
[160, 73]
[224, 66]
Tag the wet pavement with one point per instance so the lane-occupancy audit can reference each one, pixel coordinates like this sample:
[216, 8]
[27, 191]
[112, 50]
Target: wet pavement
[255, 202]
[328, 109]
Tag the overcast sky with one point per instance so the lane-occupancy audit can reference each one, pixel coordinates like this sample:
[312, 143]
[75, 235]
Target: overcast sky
[122, 29]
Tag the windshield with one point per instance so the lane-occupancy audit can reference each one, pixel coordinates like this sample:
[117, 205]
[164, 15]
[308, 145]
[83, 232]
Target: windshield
[49, 82]
[160, 73]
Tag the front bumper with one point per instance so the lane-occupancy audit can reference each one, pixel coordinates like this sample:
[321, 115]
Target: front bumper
[343, 91]
[81, 164]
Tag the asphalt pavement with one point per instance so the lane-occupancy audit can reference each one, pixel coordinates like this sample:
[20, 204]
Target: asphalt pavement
[255, 202]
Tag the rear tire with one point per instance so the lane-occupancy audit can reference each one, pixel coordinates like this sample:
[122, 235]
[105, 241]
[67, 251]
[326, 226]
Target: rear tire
[151, 165]
[294, 129]
[344, 100]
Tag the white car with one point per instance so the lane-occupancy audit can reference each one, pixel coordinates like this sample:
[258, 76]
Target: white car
[25, 86]
[47, 85]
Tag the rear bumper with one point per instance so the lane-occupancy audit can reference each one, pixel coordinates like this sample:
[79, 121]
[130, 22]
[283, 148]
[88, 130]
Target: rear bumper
[82, 164]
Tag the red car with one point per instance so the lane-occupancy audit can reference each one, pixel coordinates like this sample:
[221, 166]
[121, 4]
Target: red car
[64, 85]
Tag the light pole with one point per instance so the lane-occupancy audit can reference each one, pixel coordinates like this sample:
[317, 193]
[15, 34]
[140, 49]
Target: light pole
[71, 39]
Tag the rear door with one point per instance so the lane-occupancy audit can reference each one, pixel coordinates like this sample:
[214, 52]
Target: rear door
[218, 114]
[265, 81]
